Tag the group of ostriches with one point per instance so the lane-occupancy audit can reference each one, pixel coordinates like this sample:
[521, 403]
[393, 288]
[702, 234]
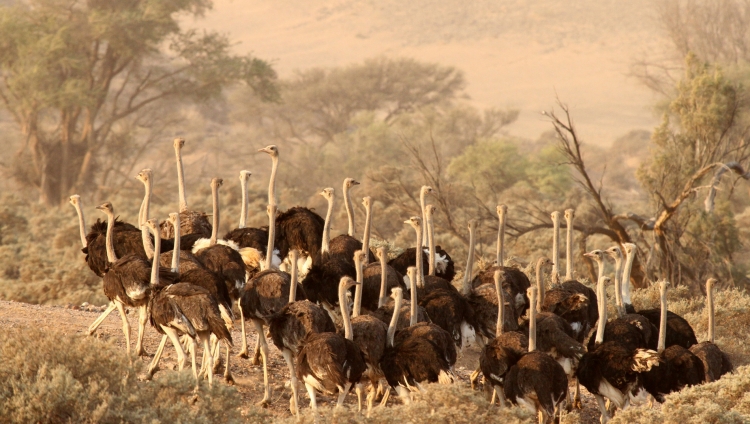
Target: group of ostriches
[344, 318]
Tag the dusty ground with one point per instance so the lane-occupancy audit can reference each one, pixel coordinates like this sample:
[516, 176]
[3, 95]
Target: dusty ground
[248, 378]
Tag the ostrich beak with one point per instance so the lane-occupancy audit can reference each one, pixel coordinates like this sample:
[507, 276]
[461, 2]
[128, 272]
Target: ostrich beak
[589, 255]
[355, 182]
[263, 150]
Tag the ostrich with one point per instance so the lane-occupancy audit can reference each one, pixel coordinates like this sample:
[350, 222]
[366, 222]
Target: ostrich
[379, 279]
[515, 281]
[504, 350]
[678, 368]
[184, 307]
[345, 245]
[192, 222]
[715, 362]
[369, 334]
[329, 362]
[265, 294]
[320, 282]
[536, 381]
[408, 310]
[612, 369]
[298, 228]
[127, 240]
[423, 192]
[555, 274]
[126, 284]
[426, 284]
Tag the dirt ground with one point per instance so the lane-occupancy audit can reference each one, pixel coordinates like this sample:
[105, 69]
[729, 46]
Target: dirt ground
[248, 378]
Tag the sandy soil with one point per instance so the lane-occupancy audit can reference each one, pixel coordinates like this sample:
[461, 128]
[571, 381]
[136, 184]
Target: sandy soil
[248, 378]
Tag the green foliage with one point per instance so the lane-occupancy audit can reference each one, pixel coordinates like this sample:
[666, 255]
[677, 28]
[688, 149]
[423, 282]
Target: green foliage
[55, 377]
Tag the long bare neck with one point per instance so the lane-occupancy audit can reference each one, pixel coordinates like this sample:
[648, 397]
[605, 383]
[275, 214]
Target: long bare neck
[345, 312]
[618, 286]
[626, 275]
[555, 247]
[327, 227]
[710, 302]
[663, 318]
[358, 289]
[500, 305]
[600, 264]
[569, 215]
[272, 181]
[215, 208]
[398, 299]
[602, 299]
[431, 243]
[271, 235]
[155, 261]
[349, 210]
[177, 242]
[109, 239]
[466, 288]
[383, 274]
[423, 205]
[413, 297]
[532, 321]
[501, 215]
[418, 253]
[145, 233]
[366, 235]
[243, 207]
[540, 286]
[293, 285]
[180, 179]
[81, 224]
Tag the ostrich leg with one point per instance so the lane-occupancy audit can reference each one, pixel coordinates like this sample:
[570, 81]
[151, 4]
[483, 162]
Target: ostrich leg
[142, 318]
[227, 373]
[157, 357]
[293, 402]
[125, 326]
[264, 354]
[111, 307]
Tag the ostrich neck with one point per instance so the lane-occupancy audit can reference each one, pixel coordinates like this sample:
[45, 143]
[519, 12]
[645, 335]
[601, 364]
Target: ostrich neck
[111, 257]
[177, 241]
[358, 289]
[602, 298]
[243, 206]
[532, 326]
[271, 236]
[626, 276]
[466, 288]
[349, 210]
[662, 320]
[569, 248]
[540, 287]
[422, 205]
[293, 283]
[327, 227]
[145, 233]
[383, 278]
[155, 261]
[345, 312]
[366, 235]
[600, 264]
[500, 305]
[272, 181]
[620, 307]
[555, 248]
[413, 299]
[418, 254]
[501, 239]
[181, 180]
[394, 318]
[81, 225]
[215, 208]
[431, 243]
[710, 301]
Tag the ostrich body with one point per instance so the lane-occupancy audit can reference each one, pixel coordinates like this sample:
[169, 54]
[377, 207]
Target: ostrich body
[536, 381]
[379, 280]
[678, 368]
[504, 350]
[331, 363]
[612, 369]
[192, 222]
[715, 362]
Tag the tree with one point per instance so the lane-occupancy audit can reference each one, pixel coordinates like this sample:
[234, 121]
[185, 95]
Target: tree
[83, 80]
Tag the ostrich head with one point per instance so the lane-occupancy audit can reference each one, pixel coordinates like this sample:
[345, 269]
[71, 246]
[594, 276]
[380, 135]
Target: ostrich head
[710, 283]
[216, 183]
[144, 176]
[543, 262]
[359, 256]
[346, 282]
[569, 213]
[415, 222]
[153, 225]
[596, 254]
[179, 143]
[502, 209]
[614, 252]
[75, 200]
[107, 208]
[327, 193]
[350, 182]
[383, 252]
[245, 175]
[629, 248]
[271, 149]
[427, 190]
[606, 280]
[174, 217]
[367, 201]
[430, 210]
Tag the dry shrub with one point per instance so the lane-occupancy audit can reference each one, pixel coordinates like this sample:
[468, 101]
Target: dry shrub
[454, 403]
[723, 401]
[55, 377]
